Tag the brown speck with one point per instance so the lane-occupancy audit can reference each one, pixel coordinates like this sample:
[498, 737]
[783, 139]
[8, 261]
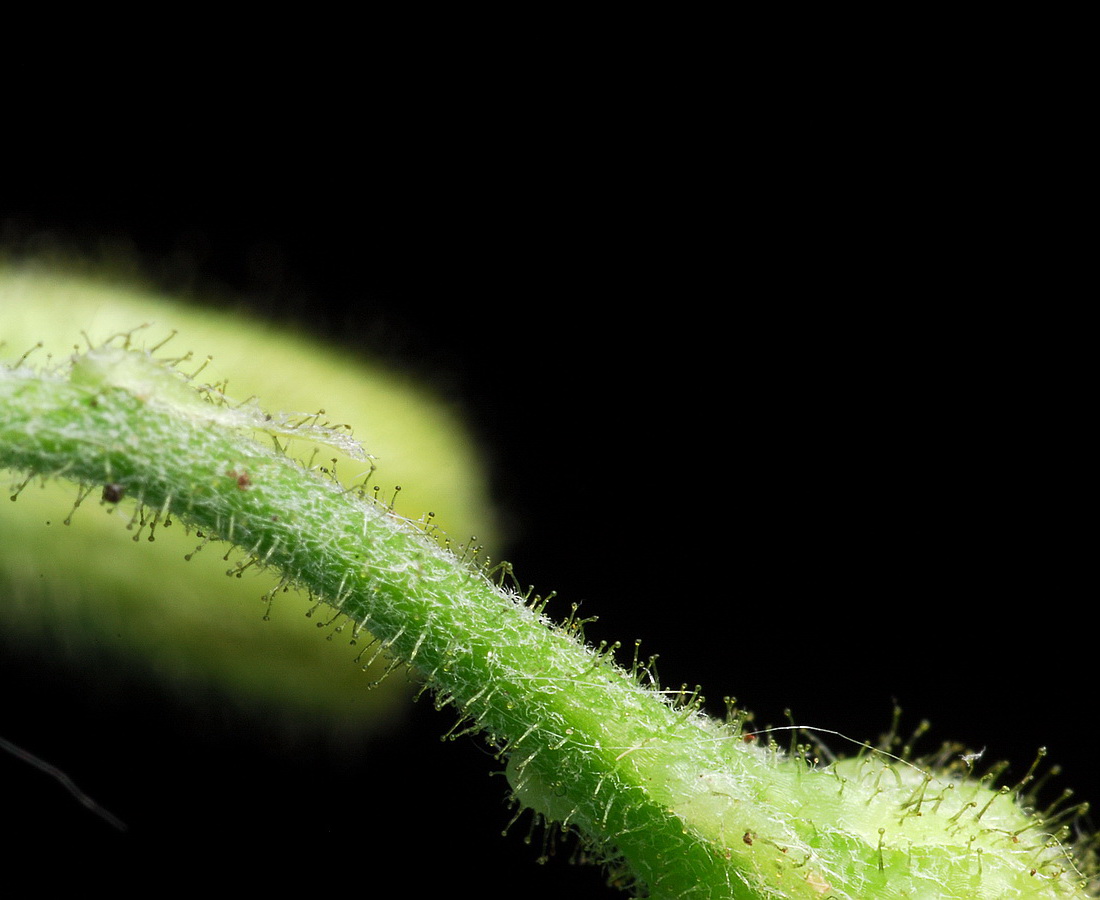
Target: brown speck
[243, 481]
[113, 492]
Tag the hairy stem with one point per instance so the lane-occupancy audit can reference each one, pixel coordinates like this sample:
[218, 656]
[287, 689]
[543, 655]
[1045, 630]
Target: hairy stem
[678, 804]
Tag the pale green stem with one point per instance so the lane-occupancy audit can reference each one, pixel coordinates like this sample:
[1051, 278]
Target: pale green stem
[690, 809]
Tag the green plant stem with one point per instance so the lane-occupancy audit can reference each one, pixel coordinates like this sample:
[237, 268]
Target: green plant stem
[679, 803]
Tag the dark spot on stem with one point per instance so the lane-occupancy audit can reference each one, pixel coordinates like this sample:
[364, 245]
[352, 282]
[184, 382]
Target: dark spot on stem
[113, 493]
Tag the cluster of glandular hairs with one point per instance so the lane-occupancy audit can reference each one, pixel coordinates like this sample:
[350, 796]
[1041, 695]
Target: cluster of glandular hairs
[681, 805]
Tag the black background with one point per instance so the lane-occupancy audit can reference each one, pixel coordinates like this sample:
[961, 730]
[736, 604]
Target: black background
[770, 411]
